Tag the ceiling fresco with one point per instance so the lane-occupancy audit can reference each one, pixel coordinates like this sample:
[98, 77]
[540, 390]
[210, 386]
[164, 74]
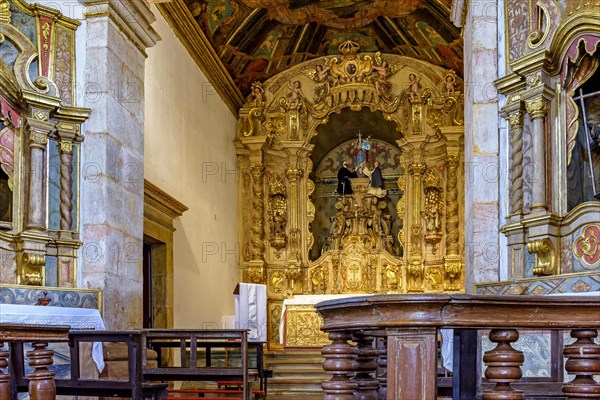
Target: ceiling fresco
[255, 39]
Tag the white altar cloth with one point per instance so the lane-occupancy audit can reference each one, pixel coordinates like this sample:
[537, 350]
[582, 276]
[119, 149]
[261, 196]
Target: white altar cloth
[76, 318]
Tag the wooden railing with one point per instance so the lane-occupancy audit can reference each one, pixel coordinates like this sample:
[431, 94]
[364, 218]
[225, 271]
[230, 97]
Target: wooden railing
[405, 366]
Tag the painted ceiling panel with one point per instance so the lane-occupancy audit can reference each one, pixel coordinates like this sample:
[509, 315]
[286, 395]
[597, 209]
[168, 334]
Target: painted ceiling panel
[256, 39]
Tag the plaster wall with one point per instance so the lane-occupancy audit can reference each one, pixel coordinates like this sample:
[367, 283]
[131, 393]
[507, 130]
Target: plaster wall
[189, 153]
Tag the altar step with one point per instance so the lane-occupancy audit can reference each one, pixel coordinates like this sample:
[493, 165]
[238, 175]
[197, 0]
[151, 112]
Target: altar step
[295, 373]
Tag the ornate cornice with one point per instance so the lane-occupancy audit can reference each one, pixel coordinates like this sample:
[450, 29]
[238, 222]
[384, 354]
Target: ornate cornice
[202, 52]
[162, 201]
[134, 18]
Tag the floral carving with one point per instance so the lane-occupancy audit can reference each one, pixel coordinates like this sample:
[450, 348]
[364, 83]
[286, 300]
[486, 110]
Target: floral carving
[587, 246]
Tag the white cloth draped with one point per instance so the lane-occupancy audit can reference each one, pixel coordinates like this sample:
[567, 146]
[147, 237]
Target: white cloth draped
[251, 310]
[76, 318]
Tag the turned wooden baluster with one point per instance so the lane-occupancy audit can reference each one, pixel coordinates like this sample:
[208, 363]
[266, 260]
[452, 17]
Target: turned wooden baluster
[4, 377]
[382, 369]
[340, 360]
[503, 366]
[583, 361]
[41, 380]
[366, 367]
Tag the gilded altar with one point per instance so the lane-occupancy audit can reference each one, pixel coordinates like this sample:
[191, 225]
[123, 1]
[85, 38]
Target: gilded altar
[298, 233]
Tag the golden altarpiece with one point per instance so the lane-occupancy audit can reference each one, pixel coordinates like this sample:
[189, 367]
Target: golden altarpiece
[298, 236]
[40, 136]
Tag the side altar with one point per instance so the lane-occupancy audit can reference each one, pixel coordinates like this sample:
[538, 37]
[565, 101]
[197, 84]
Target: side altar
[301, 232]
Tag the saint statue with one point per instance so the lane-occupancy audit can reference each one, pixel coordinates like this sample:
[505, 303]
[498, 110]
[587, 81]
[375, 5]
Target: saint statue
[376, 185]
[344, 175]
[361, 151]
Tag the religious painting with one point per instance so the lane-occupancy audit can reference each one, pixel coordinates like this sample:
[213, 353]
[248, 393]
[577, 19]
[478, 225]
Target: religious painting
[334, 13]
[430, 34]
[219, 12]
[6, 198]
[267, 47]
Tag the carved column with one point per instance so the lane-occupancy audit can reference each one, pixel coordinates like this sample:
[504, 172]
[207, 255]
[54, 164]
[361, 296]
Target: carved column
[340, 360]
[537, 109]
[366, 368]
[583, 361]
[294, 273]
[453, 265]
[66, 187]
[4, 377]
[415, 266]
[516, 162]
[256, 273]
[503, 366]
[38, 141]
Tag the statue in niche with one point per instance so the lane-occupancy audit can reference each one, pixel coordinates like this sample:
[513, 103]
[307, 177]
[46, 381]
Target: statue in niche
[376, 185]
[382, 85]
[344, 175]
[258, 94]
[295, 95]
[414, 88]
[321, 75]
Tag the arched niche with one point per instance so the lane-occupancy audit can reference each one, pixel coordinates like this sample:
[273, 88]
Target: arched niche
[292, 122]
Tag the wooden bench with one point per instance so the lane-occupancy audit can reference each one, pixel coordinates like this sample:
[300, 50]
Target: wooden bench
[193, 340]
[132, 386]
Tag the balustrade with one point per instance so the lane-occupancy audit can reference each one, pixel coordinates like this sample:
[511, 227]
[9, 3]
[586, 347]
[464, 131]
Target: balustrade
[404, 366]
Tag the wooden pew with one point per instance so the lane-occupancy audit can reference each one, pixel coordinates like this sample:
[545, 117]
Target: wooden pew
[132, 386]
[188, 369]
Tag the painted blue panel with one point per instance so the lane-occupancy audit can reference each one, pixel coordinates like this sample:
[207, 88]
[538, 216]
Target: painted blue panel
[51, 271]
[24, 23]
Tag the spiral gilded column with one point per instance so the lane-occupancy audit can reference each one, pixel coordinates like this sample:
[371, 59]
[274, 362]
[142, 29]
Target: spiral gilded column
[516, 162]
[66, 186]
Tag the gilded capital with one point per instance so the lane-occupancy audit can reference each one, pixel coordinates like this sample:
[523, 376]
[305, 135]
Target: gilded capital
[294, 174]
[537, 107]
[38, 138]
[452, 162]
[416, 168]
[516, 119]
[66, 146]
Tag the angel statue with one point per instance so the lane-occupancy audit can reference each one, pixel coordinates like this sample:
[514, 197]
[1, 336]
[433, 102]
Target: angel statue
[322, 75]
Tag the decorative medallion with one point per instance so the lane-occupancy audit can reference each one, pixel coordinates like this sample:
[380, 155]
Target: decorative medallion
[587, 246]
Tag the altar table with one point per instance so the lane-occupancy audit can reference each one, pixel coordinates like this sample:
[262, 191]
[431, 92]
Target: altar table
[75, 318]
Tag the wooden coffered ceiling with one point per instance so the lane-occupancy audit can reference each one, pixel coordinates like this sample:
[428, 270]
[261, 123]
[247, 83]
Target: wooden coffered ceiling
[237, 42]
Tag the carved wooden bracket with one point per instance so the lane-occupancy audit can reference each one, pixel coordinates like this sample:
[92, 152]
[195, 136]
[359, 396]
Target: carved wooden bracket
[545, 256]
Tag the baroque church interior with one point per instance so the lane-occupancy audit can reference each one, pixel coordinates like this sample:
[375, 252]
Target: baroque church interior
[158, 155]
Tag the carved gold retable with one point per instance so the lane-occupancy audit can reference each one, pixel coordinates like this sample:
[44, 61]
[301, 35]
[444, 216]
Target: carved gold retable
[277, 132]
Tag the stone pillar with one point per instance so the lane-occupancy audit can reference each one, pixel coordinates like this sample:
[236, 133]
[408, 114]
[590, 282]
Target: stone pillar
[537, 108]
[112, 188]
[482, 193]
